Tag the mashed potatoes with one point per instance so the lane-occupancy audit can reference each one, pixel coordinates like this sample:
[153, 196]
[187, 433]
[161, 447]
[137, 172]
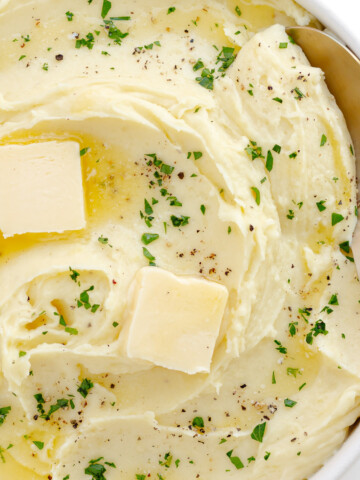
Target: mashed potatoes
[213, 151]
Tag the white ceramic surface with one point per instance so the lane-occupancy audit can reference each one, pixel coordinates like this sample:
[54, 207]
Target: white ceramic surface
[343, 18]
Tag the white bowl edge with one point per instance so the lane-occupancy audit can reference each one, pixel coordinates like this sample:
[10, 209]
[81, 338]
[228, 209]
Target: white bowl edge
[342, 17]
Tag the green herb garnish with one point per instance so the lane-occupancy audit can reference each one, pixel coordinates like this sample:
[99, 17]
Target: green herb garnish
[258, 432]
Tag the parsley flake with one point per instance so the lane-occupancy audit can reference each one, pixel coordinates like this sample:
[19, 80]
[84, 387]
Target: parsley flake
[336, 218]
[257, 195]
[198, 422]
[149, 238]
[235, 460]
[39, 445]
[106, 6]
[258, 432]
[85, 386]
[69, 16]
[4, 412]
[269, 161]
[321, 205]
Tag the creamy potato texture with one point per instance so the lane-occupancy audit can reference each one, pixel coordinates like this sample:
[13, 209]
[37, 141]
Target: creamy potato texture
[211, 149]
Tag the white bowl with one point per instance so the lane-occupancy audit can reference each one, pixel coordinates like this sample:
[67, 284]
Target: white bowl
[342, 17]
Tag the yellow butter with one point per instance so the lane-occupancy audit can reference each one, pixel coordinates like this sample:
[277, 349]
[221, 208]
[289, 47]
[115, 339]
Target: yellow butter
[174, 320]
[41, 188]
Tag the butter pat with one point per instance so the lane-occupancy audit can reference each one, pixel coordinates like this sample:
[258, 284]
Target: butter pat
[174, 320]
[41, 188]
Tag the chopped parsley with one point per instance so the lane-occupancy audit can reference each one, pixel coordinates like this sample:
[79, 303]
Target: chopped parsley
[198, 65]
[4, 412]
[85, 386]
[299, 93]
[254, 151]
[114, 33]
[83, 151]
[71, 331]
[60, 403]
[96, 469]
[292, 328]
[293, 155]
[293, 371]
[289, 403]
[235, 460]
[149, 256]
[280, 347]
[226, 57]
[318, 329]
[269, 161]
[167, 169]
[45, 67]
[304, 312]
[258, 432]
[88, 41]
[345, 247]
[106, 6]
[39, 445]
[333, 300]
[336, 218]
[277, 99]
[22, 354]
[121, 18]
[83, 301]
[283, 45]
[273, 379]
[179, 221]
[237, 10]
[198, 422]
[148, 208]
[167, 460]
[203, 209]
[290, 215]
[74, 274]
[171, 10]
[206, 79]
[321, 205]
[267, 455]
[149, 238]
[323, 140]
[69, 16]
[104, 241]
[257, 195]
[277, 148]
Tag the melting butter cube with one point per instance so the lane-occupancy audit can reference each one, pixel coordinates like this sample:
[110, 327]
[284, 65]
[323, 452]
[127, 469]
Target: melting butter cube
[174, 320]
[41, 188]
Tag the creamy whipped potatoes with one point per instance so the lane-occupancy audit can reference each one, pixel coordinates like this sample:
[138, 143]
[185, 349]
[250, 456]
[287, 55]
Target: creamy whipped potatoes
[178, 293]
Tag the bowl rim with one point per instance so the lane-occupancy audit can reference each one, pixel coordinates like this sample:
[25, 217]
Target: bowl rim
[336, 18]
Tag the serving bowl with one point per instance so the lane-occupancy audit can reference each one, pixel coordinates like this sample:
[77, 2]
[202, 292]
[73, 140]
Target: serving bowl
[340, 17]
